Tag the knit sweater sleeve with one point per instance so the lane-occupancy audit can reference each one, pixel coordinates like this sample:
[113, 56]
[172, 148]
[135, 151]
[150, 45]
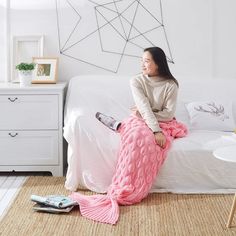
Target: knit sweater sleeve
[143, 105]
[169, 106]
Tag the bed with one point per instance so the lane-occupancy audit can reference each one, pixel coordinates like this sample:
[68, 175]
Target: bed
[190, 166]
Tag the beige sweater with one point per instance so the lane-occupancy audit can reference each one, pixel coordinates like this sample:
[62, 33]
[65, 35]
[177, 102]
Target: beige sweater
[155, 99]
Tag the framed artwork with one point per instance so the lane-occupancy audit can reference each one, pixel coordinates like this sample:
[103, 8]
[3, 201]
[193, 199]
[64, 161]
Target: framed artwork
[23, 49]
[45, 71]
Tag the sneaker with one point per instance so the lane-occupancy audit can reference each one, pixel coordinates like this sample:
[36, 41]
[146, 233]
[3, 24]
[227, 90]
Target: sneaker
[108, 121]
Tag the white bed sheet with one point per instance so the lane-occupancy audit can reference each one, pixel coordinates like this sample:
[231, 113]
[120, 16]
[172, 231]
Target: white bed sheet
[190, 166]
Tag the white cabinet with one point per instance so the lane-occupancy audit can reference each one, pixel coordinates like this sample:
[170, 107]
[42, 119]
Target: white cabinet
[31, 122]
[29, 111]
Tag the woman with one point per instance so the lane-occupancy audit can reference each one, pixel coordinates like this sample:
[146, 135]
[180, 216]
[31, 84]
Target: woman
[155, 91]
[155, 94]
[145, 139]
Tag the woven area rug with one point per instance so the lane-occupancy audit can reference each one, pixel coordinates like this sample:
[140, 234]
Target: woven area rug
[158, 214]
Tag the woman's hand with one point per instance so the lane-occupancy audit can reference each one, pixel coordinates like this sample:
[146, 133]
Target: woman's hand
[160, 139]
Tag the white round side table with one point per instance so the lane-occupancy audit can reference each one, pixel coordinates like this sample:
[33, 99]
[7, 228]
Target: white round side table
[228, 154]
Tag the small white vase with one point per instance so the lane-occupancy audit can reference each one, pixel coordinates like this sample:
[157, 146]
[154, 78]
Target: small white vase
[25, 77]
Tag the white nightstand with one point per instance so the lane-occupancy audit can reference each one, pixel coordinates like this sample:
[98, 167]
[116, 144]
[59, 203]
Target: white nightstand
[228, 154]
[31, 123]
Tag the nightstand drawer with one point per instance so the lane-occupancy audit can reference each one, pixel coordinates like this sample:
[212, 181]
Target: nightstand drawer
[28, 112]
[29, 148]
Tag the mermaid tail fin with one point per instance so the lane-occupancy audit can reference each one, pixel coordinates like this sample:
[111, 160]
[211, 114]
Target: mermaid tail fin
[100, 208]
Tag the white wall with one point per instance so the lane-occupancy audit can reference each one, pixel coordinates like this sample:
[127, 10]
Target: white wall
[200, 33]
[3, 43]
[188, 24]
[224, 38]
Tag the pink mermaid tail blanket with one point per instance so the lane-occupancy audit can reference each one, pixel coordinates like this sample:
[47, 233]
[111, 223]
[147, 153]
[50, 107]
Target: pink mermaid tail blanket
[139, 160]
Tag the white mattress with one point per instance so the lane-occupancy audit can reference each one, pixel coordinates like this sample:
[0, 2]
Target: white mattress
[190, 166]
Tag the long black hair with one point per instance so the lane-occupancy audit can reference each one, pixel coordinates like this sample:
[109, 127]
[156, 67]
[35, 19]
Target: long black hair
[159, 58]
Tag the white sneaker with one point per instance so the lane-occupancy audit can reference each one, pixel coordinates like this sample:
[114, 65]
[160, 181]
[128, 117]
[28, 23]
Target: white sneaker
[108, 121]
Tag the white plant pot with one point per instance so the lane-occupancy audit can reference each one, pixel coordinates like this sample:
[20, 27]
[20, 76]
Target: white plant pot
[25, 77]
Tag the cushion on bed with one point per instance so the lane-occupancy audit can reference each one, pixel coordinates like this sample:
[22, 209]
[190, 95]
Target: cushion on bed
[211, 115]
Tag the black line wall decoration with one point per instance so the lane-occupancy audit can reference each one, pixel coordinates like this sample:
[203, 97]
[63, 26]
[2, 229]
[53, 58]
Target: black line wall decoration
[103, 33]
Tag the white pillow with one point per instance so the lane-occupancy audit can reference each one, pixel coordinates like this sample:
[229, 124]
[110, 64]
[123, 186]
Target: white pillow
[211, 115]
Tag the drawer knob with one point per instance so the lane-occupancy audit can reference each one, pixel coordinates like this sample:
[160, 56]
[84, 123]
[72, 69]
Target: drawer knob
[12, 99]
[13, 135]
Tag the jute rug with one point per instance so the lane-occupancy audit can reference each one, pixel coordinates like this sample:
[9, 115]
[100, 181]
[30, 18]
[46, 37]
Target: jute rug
[158, 214]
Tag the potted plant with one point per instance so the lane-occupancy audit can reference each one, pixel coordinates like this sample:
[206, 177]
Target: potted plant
[25, 73]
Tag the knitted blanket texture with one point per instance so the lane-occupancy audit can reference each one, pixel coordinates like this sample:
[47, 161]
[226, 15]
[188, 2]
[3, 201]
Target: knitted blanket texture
[138, 163]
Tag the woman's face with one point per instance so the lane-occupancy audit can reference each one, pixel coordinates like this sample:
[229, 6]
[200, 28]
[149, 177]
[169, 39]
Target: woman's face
[148, 65]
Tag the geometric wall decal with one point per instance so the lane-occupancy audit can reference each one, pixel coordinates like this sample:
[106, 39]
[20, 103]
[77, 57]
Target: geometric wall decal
[104, 33]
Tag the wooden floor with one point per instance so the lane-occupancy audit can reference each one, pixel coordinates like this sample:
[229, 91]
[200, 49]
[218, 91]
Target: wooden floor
[9, 187]
[10, 184]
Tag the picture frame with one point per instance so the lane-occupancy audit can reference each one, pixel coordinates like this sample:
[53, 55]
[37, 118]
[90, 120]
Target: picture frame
[24, 48]
[45, 71]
